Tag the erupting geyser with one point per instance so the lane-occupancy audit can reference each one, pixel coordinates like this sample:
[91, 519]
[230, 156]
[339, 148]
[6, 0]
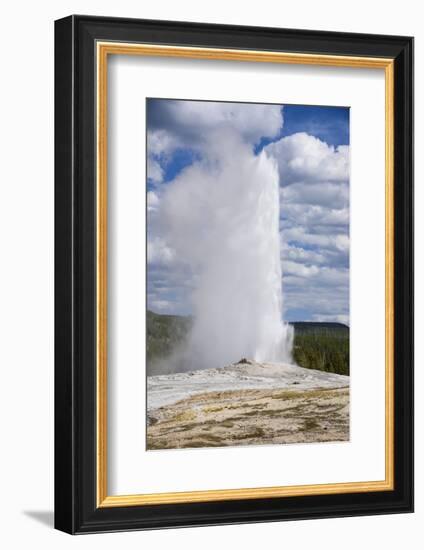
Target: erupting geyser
[226, 228]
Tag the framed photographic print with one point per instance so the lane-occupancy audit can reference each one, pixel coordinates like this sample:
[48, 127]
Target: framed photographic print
[234, 269]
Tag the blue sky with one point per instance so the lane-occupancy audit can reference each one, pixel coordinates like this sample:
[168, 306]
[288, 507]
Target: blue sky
[310, 145]
[329, 124]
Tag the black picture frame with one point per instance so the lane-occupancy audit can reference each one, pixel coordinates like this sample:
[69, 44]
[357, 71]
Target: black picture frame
[76, 509]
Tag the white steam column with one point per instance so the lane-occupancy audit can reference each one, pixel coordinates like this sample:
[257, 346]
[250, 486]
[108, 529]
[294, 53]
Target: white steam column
[227, 230]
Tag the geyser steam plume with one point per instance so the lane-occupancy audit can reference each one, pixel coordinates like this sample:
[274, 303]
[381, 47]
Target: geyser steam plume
[221, 217]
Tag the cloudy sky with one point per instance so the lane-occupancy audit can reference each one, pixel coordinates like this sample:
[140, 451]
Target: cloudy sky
[310, 146]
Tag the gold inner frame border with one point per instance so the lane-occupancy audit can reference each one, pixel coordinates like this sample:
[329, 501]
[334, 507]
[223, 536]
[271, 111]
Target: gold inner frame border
[103, 50]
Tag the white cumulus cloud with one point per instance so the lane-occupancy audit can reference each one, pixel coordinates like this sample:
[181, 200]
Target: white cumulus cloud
[191, 121]
[305, 158]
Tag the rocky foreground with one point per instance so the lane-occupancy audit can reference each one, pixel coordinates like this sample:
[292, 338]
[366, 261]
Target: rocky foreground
[247, 403]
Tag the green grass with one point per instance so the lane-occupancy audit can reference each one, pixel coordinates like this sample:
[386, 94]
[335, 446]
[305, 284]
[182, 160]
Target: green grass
[323, 350]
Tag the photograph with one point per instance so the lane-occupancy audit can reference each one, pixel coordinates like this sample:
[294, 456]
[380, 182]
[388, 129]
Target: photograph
[247, 254]
[233, 253]
[208, 303]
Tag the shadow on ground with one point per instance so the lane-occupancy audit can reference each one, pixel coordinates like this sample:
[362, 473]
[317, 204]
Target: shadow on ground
[46, 517]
